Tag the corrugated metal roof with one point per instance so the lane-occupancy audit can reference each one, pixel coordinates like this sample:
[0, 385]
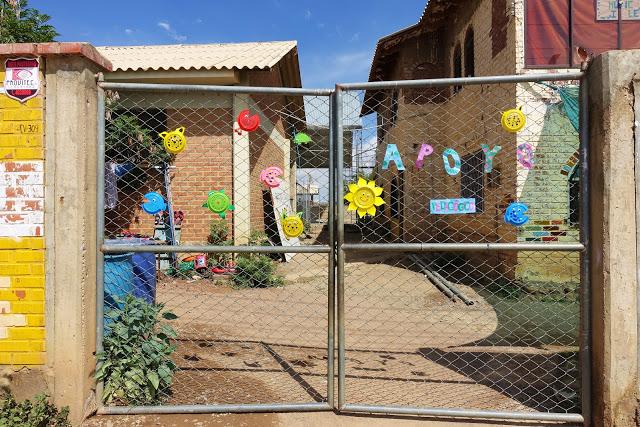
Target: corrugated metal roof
[259, 55]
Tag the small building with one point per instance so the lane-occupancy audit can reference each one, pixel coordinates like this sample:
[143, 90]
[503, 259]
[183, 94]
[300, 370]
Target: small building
[466, 38]
[221, 157]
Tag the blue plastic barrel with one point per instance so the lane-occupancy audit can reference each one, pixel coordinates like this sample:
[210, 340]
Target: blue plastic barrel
[118, 278]
[143, 282]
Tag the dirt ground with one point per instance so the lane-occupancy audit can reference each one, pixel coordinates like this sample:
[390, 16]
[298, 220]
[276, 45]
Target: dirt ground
[312, 419]
[407, 344]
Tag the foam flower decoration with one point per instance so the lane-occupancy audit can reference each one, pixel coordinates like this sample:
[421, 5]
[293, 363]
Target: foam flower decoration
[363, 197]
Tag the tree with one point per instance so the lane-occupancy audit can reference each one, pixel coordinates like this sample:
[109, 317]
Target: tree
[22, 24]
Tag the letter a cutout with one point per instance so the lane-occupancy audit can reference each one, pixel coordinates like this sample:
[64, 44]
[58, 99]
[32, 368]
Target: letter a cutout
[392, 154]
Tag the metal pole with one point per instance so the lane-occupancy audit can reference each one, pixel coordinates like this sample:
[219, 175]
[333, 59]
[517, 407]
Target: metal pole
[464, 413]
[332, 261]
[163, 87]
[619, 24]
[161, 249]
[585, 231]
[205, 409]
[337, 117]
[100, 234]
[461, 247]
[466, 81]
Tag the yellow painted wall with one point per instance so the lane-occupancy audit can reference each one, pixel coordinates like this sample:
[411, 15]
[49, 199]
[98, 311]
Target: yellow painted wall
[22, 246]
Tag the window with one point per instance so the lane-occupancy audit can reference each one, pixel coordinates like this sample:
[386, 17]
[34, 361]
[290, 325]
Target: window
[395, 198]
[494, 177]
[574, 197]
[457, 66]
[469, 55]
[499, 24]
[394, 107]
[472, 178]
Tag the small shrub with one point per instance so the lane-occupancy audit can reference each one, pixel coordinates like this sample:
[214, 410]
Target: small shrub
[136, 364]
[36, 413]
[128, 140]
[256, 271]
[218, 233]
[258, 238]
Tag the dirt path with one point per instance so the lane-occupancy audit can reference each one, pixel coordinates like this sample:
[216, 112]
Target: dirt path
[406, 343]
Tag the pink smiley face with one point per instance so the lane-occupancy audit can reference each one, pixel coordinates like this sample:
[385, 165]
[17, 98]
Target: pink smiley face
[270, 176]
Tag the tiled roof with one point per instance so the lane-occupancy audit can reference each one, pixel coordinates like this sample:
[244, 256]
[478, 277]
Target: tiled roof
[260, 55]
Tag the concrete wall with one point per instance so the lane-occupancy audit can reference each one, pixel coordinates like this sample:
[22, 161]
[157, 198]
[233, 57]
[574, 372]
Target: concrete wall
[614, 242]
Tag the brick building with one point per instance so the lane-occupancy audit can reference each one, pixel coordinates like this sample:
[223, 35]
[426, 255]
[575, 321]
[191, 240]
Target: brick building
[480, 38]
[216, 157]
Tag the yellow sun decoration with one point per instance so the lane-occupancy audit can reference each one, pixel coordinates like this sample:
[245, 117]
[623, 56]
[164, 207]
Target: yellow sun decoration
[363, 197]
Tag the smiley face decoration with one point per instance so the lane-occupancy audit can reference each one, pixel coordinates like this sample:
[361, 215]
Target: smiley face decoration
[174, 141]
[218, 203]
[292, 225]
[154, 203]
[513, 120]
[270, 176]
[515, 214]
[247, 122]
[363, 197]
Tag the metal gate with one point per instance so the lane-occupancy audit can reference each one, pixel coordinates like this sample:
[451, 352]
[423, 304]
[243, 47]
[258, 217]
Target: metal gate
[442, 306]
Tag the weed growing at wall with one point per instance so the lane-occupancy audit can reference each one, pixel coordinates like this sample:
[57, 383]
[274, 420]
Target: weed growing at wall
[36, 413]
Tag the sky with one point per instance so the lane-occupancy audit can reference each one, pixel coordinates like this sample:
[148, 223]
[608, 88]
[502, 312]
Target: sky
[336, 39]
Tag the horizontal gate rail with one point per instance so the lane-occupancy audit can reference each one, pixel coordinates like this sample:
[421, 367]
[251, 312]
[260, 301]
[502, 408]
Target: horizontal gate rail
[460, 247]
[464, 81]
[205, 409]
[162, 249]
[161, 87]
[463, 413]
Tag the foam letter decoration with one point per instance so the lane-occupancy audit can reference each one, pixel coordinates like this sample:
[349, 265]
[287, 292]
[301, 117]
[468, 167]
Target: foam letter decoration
[489, 154]
[425, 151]
[525, 155]
[455, 169]
[392, 154]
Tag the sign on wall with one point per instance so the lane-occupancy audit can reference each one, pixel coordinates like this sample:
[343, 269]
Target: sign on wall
[452, 206]
[607, 10]
[22, 78]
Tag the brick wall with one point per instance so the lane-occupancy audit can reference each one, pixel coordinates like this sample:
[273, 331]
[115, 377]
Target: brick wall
[22, 248]
[206, 164]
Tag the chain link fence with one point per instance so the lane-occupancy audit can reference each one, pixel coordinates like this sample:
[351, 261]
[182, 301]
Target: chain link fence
[480, 327]
[455, 254]
[216, 267]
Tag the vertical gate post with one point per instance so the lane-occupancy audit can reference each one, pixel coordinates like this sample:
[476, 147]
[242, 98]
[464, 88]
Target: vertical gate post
[337, 123]
[613, 260]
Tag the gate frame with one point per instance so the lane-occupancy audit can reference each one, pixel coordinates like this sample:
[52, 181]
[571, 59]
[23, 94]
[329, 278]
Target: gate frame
[115, 249]
[337, 248]
[583, 247]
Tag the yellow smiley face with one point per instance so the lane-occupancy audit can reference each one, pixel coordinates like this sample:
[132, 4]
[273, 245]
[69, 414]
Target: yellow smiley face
[292, 226]
[513, 120]
[364, 197]
[174, 141]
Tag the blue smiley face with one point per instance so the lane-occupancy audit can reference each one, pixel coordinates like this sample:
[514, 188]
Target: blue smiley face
[154, 203]
[515, 214]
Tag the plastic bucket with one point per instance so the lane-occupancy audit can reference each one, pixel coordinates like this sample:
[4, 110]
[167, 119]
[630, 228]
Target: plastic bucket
[118, 278]
[144, 269]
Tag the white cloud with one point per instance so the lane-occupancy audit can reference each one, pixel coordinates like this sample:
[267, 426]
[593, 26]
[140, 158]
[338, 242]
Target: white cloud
[199, 21]
[355, 37]
[128, 31]
[345, 67]
[171, 32]
[307, 15]
[320, 25]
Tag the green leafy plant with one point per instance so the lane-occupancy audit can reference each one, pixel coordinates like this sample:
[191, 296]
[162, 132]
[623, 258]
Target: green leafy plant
[37, 413]
[136, 364]
[258, 238]
[22, 24]
[127, 140]
[218, 233]
[256, 271]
